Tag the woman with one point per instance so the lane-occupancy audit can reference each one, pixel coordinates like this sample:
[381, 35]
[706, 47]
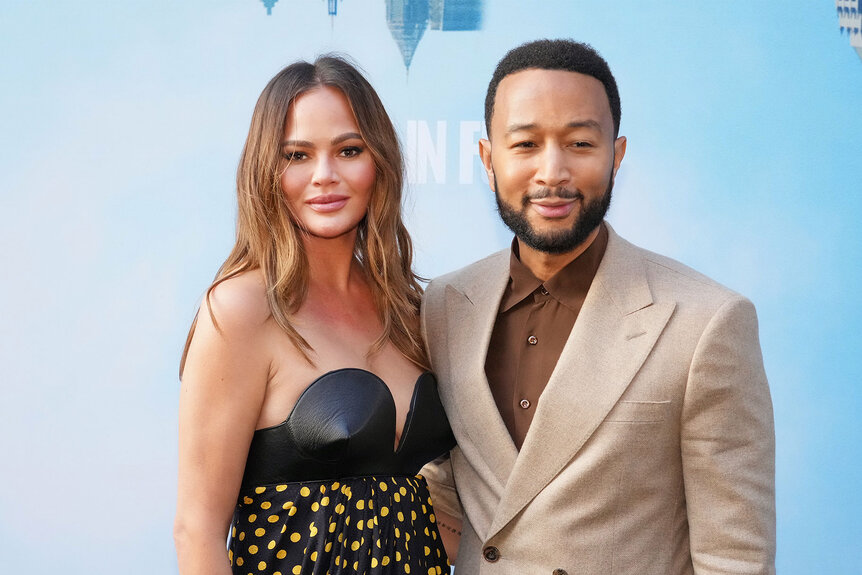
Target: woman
[305, 407]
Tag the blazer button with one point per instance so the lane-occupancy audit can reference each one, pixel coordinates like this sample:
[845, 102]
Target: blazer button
[491, 554]
[560, 572]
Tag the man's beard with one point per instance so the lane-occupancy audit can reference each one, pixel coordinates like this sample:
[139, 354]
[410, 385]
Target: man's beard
[589, 217]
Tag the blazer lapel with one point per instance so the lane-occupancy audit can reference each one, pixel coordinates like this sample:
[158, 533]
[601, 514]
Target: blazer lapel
[471, 311]
[615, 331]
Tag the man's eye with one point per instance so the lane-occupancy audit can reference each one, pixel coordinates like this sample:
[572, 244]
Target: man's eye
[526, 144]
[582, 144]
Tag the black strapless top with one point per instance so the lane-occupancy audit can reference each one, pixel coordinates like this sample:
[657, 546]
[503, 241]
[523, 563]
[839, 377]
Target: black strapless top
[343, 425]
[326, 492]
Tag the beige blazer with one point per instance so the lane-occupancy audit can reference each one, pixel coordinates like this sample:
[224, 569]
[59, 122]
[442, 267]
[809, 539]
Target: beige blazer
[652, 447]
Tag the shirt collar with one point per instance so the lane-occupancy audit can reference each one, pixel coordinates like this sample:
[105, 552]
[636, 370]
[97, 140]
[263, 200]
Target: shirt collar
[569, 286]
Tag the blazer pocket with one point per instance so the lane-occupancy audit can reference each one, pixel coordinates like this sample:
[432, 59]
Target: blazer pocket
[639, 412]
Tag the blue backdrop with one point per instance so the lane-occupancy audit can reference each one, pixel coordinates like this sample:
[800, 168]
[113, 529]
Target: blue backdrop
[122, 125]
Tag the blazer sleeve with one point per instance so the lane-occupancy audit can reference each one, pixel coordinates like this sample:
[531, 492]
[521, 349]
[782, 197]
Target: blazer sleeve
[728, 448]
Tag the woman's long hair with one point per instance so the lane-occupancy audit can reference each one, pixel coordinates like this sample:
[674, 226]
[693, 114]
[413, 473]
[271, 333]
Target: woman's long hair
[269, 238]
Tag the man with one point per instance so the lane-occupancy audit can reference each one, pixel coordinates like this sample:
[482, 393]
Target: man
[610, 404]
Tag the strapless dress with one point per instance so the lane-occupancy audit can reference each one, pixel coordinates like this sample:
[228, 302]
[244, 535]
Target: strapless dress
[328, 492]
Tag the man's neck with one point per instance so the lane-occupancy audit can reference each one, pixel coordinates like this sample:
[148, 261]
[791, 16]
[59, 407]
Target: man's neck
[544, 265]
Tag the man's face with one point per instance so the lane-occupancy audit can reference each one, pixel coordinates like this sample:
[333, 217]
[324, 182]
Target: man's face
[552, 157]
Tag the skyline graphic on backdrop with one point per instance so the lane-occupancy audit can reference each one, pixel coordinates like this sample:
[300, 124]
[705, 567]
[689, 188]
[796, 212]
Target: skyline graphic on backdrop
[850, 21]
[408, 20]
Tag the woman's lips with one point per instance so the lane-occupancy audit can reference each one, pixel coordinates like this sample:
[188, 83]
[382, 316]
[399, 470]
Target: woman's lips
[327, 203]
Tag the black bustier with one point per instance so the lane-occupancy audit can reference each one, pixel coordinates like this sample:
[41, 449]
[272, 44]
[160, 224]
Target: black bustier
[343, 425]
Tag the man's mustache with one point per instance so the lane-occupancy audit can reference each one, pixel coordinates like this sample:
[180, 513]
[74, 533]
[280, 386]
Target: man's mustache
[543, 193]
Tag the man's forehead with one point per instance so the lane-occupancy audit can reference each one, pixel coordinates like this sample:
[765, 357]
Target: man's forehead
[528, 97]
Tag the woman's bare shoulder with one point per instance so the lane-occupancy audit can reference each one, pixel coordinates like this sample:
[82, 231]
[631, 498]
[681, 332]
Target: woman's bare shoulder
[238, 304]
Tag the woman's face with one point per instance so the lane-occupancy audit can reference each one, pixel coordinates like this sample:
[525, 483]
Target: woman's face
[329, 174]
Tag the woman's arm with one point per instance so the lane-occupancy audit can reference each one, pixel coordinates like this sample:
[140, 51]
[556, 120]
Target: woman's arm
[222, 391]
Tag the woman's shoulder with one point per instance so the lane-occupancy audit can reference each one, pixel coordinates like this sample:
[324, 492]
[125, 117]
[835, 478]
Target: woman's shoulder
[238, 303]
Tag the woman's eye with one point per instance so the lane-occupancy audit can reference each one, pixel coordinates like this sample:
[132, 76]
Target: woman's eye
[351, 151]
[295, 156]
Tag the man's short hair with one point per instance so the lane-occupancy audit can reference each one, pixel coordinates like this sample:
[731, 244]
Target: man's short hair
[565, 55]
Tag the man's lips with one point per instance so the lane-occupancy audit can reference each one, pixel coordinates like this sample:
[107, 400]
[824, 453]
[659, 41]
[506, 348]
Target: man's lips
[327, 202]
[555, 208]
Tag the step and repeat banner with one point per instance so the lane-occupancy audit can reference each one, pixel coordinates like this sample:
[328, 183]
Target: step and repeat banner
[122, 126]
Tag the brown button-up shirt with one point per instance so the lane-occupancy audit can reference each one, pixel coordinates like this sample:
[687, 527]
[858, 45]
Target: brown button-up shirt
[533, 324]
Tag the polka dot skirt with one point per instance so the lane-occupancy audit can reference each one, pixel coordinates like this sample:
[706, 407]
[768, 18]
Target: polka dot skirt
[360, 525]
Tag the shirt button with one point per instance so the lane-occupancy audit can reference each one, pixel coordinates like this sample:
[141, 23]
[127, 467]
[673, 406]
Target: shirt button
[532, 340]
[491, 554]
[525, 403]
[543, 291]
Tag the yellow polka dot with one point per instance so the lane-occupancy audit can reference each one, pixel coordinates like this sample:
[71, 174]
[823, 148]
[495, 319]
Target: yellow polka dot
[272, 518]
[332, 527]
[356, 565]
[252, 518]
[347, 520]
[252, 549]
[283, 528]
[247, 500]
[230, 555]
[313, 530]
[305, 491]
[432, 571]
[324, 501]
[295, 537]
[354, 546]
[432, 518]
[328, 547]
[359, 524]
[370, 504]
[335, 485]
[427, 550]
[385, 560]
[397, 532]
[424, 510]
[241, 535]
[313, 556]
[339, 509]
[407, 568]
[396, 497]
[233, 531]
[292, 511]
[434, 535]
[413, 515]
[398, 555]
[265, 505]
[239, 561]
[426, 531]
[280, 488]
[340, 537]
[297, 570]
[279, 573]
[360, 504]
[287, 505]
[271, 544]
[261, 566]
[384, 511]
[323, 488]
[259, 490]
[281, 554]
[315, 506]
[383, 486]
[259, 531]
[373, 562]
[400, 516]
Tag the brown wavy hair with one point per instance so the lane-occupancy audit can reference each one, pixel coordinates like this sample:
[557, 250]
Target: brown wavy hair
[267, 234]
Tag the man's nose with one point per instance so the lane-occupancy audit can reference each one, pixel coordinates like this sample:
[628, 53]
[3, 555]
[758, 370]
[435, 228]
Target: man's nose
[552, 170]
